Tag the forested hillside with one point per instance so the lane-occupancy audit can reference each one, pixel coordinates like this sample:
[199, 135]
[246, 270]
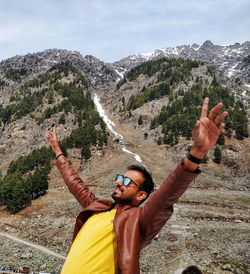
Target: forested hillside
[184, 91]
[61, 90]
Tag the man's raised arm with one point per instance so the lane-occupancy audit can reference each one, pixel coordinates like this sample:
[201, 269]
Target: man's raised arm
[159, 206]
[70, 176]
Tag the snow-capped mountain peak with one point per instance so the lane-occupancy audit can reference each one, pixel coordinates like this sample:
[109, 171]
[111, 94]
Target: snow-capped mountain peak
[232, 60]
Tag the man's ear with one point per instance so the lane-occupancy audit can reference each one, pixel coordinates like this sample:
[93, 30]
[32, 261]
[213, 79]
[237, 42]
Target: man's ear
[141, 195]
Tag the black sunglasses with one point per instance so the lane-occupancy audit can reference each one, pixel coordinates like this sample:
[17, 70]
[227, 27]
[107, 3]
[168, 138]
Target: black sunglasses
[125, 180]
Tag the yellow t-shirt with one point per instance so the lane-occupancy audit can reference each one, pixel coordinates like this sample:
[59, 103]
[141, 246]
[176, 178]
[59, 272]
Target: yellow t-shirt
[94, 248]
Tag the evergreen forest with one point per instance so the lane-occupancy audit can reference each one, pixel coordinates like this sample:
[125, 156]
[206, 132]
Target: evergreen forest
[27, 176]
[179, 115]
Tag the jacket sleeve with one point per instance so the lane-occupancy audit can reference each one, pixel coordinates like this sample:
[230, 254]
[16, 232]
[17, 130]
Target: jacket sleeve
[74, 183]
[159, 206]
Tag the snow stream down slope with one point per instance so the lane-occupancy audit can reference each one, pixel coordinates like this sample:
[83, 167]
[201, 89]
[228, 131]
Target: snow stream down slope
[110, 124]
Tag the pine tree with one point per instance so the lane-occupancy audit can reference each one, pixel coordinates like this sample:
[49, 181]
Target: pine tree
[16, 196]
[86, 152]
[221, 139]
[62, 119]
[240, 122]
[170, 139]
[217, 155]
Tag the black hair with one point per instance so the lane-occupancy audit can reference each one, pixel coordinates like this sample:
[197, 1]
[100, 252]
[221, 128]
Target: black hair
[192, 269]
[148, 184]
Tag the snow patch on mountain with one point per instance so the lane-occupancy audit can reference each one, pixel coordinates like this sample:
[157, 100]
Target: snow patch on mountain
[227, 59]
[110, 125]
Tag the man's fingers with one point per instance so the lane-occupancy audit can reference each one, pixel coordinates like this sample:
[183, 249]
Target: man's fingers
[220, 117]
[204, 108]
[213, 111]
[51, 133]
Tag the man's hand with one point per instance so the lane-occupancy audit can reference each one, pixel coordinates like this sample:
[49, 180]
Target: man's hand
[206, 132]
[208, 128]
[51, 138]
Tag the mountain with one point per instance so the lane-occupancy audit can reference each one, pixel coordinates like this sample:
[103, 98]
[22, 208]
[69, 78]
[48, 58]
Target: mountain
[154, 101]
[30, 65]
[45, 88]
[232, 60]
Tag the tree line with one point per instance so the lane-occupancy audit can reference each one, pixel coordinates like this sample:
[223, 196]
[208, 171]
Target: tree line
[179, 116]
[163, 65]
[169, 73]
[26, 179]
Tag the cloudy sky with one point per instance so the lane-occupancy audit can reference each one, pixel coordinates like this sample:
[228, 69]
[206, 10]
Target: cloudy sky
[113, 29]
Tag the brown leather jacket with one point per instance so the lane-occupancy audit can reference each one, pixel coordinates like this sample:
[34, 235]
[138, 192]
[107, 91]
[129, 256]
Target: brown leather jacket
[134, 227]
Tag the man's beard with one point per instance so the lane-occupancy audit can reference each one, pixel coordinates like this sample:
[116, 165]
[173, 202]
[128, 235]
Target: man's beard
[122, 201]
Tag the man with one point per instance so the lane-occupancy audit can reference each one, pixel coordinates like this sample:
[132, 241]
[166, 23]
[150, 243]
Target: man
[109, 235]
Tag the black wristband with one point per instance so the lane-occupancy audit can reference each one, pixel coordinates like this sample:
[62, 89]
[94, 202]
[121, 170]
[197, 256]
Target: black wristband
[59, 156]
[193, 159]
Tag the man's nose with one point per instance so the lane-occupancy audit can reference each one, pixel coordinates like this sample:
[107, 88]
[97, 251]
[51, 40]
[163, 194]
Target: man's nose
[119, 182]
